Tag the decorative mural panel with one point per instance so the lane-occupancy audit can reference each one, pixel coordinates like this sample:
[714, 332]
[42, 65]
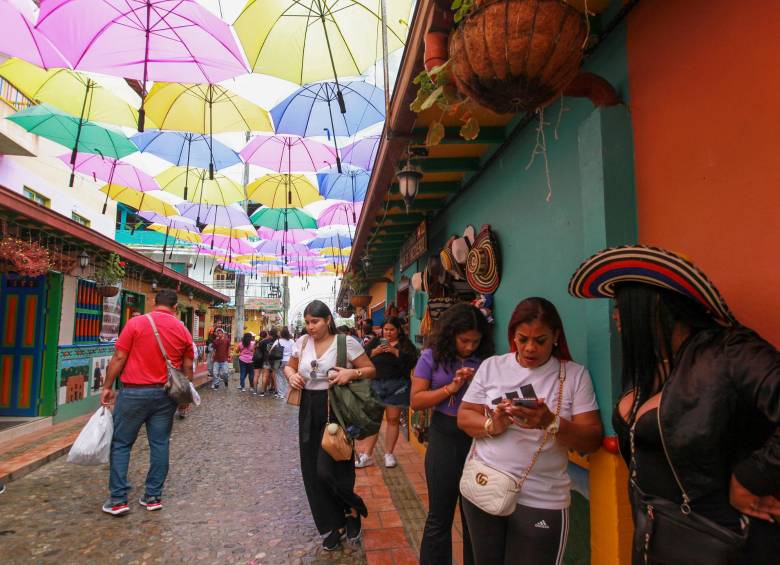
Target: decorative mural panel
[81, 371]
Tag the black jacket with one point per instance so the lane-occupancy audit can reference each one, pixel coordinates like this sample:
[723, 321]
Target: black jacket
[720, 412]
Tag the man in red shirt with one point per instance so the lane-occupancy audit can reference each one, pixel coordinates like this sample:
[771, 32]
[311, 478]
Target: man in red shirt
[143, 399]
[221, 358]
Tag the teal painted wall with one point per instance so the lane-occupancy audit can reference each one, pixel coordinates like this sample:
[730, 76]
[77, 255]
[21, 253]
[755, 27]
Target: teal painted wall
[53, 317]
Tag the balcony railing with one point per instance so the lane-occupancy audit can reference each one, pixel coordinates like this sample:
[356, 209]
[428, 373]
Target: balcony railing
[11, 96]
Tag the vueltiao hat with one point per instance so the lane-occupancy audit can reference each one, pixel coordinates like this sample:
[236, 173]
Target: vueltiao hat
[597, 276]
[416, 282]
[482, 268]
[461, 246]
[448, 261]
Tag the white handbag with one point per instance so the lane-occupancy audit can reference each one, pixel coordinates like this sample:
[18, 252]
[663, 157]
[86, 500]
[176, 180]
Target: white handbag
[495, 491]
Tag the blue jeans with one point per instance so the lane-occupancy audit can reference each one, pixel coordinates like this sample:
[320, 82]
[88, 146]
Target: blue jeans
[134, 408]
[221, 369]
[281, 381]
[247, 370]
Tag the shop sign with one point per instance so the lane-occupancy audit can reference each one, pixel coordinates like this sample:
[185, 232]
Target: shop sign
[414, 247]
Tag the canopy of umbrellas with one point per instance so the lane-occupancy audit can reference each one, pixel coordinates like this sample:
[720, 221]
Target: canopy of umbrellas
[311, 149]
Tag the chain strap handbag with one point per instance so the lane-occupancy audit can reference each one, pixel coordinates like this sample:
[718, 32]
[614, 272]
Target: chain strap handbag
[667, 533]
[177, 385]
[495, 491]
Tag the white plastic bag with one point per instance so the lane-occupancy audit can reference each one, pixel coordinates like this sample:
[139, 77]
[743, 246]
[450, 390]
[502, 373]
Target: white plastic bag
[195, 395]
[93, 445]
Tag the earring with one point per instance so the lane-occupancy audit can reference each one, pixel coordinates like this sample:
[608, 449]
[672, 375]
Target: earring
[555, 344]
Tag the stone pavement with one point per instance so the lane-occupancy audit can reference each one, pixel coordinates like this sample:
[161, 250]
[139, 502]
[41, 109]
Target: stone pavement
[234, 495]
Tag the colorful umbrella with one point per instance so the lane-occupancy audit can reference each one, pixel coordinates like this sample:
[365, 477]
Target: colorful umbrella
[280, 249]
[186, 149]
[283, 191]
[177, 222]
[361, 153]
[282, 218]
[21, 39]
[173, 40]
[340, 213]
[195, 185]
[79, 134]
[337, 241]
[292, 236]
[234, 246]
[223, 220]
[351, 185]
[190, 235]
[206, 109]
[288, 154]
[309, 111]
[144, 201]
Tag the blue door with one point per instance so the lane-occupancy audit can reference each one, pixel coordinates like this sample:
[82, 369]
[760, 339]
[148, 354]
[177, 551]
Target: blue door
[22, 306]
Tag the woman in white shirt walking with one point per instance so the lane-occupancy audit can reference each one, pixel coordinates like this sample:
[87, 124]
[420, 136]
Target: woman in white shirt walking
[287, 345]
[524, 426]
[329, 484]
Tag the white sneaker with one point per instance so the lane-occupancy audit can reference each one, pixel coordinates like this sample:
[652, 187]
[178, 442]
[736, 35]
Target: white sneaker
[363, 460]
[389, 460]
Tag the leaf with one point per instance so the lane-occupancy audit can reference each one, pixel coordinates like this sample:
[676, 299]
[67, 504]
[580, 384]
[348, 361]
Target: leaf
[432, 98]
[438, 68]
[470, 130]
[416, 105]
[435, 133]
[456, 5]
[457, 17]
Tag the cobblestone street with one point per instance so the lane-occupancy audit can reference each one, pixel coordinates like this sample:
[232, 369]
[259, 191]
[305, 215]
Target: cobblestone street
[234, 495]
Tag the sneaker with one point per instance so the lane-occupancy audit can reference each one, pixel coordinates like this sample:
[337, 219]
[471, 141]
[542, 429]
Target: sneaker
[261, 393]
[2, 488]
[226, 383]
[242, 389]
[279, 396]
[354, 528]
[333, 540]
[181, 415]
[115, 508]
[363, 460]
[390, 461]
[151, 503]
[214, 387]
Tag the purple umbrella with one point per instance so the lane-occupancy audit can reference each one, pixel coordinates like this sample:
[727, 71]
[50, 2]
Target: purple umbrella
[289, 236]
[362, 153]
[21, 39]
[341, 213]
[112, 171]
[280, 249]
[158, 40]
[229, 244]
[173, 222]
[288, 154]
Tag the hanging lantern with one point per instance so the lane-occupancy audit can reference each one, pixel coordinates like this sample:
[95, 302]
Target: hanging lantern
[409, 183]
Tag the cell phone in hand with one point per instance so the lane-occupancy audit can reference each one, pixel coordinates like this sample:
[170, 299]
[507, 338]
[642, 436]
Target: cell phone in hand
[525, 402]
[384, 341]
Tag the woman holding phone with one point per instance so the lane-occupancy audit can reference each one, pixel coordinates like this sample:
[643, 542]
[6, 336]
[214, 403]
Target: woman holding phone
[460, 341]
[525, 409]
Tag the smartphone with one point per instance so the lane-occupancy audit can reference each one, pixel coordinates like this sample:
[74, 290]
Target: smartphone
[525, 402]
[384, 341]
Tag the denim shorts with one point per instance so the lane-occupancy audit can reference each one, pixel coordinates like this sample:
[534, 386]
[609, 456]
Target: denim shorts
[392, 392]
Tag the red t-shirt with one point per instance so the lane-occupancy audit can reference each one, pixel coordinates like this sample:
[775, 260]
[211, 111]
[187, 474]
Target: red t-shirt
[145, 364]
[221, 349]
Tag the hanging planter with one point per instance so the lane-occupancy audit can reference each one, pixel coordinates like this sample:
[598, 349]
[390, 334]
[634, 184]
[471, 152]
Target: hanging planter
[26, 258]
[107, 291]
[109, 276]
[516, 55]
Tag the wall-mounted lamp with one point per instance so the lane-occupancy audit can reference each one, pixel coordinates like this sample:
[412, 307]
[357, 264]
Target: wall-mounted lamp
[191, 295]
[83, 260]
[409, 183]
[154, 284]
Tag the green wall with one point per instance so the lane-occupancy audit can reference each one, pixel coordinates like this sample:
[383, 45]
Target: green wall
[48, 393]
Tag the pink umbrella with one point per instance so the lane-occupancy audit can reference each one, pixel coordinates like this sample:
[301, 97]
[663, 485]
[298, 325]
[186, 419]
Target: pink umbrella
[232, 266]
[341, 213]
[230, 245]
[158, 40]
[289, 236]
[21, 39]
[288, 154]
[280, 249]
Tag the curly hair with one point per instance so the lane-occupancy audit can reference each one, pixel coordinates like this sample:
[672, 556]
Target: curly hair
[537, 308]
[458, 319]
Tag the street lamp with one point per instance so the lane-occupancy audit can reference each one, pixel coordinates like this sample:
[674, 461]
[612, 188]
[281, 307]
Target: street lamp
[154, 284]
[83, 260]
[409, 183]
[191, 295]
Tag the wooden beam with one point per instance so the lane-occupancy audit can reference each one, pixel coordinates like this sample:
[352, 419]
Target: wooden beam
[431, 188]
[448, 164]
[487, 135]
[420, 204]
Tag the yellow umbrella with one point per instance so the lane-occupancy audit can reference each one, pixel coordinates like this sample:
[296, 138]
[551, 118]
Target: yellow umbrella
[70, 91]
[283, 191]
[332, 251]
[194, 184]
[143, 201]
[234, 231]
[178, 233]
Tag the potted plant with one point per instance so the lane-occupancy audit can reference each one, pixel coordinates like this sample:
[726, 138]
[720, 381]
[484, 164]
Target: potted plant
[109, 275]
[27, 258]
[358, 285]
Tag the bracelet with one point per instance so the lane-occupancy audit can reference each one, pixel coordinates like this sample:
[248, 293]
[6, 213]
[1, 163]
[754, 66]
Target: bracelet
[447, 390]
[488, 424]
[359, 373]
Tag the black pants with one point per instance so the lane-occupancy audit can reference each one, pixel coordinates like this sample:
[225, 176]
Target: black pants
[329, 484]
[444, 459]
[530, 535]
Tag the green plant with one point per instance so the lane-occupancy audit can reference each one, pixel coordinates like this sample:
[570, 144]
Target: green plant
[356, 282]
[436, 87]
[461, 9]
[111, 272]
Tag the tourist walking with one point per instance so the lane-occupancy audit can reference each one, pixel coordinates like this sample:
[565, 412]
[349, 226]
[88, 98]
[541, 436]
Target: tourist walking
[329, 484]
[273, 358]
[246, 350]
[698, 421]
[394, 357]
[142, 399]
[460, 341]
[221, 359]
[258, 362]
[286, 343]
[541, 405]
[210, 354]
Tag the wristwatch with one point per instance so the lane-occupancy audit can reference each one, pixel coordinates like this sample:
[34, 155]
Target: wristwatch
[553, 426]
[359, 373]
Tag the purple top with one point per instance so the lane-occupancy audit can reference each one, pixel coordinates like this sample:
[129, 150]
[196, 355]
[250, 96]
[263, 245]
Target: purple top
[440, 375]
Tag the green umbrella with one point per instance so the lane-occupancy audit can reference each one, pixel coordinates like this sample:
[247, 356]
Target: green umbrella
[282, 219]
[77, 134]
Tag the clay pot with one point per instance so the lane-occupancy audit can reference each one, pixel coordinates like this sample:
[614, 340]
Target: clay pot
[361, 300]
[517, 55]
[435, 49]
[107, 291]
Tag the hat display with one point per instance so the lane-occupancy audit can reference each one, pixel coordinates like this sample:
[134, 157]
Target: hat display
[417, 282]
[433, 275]
[482, 268]
[448, 261]
[597, 276]
[461, 246]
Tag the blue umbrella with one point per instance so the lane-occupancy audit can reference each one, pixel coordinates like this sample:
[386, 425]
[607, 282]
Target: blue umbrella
[309, 112]
[185, 149]
[351, 185]
[338, 241]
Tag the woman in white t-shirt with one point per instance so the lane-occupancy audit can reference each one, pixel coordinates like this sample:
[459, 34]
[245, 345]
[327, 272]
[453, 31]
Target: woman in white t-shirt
[329, 484]
[510, 408]
[287, 345]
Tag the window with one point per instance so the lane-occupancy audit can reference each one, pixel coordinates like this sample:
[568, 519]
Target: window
[89, 313]
[80, 219]
[36, 197]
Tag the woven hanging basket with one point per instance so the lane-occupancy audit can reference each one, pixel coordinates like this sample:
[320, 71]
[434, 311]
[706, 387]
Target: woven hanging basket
[517, 55]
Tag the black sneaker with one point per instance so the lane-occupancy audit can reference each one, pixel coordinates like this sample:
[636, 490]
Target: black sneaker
[151, 503]
[333, 540]
[354, 528]
[115, 508]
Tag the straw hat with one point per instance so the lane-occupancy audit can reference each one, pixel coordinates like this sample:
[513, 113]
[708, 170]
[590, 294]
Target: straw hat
[448, 261]
[417, 282]
[597, 276]
[462, 245]
[482, 268]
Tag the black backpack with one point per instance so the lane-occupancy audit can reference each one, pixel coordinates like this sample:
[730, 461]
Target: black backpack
[258, 357]
[276, 352]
